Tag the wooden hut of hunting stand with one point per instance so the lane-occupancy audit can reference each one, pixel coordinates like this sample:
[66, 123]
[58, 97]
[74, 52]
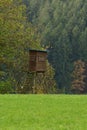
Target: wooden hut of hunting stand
[37, 61]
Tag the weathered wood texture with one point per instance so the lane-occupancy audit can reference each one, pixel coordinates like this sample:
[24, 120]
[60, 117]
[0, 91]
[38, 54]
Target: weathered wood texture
[37, 61]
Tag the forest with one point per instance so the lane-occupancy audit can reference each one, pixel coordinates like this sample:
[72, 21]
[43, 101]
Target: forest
[58, 26]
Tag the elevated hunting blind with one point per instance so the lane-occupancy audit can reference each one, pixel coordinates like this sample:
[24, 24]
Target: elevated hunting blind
[37, 60]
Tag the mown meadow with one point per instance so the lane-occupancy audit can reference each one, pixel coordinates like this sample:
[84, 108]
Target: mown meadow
[43, 112]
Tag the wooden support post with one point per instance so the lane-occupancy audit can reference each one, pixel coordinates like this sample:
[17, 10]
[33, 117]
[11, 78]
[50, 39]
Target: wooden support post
[34, 83]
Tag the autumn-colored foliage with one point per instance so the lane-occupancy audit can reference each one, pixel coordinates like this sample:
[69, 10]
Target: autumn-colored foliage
[79, 75]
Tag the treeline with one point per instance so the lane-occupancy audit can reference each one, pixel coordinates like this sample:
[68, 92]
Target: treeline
[17, 35]
[60, 26]
[63, 28]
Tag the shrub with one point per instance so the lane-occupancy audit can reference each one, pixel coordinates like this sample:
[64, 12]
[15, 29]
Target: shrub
[6, 87]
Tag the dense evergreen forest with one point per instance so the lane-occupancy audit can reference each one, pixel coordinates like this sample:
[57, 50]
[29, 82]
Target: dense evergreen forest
[60, 26]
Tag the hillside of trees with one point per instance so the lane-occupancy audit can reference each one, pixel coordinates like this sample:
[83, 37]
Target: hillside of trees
[17, 35]
[63, 28]
[60, 26]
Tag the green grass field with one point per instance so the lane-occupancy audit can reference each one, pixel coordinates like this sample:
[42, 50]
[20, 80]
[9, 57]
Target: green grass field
[43, 112]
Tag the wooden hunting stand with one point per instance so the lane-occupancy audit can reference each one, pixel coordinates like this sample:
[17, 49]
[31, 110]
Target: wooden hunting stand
[37, 64]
